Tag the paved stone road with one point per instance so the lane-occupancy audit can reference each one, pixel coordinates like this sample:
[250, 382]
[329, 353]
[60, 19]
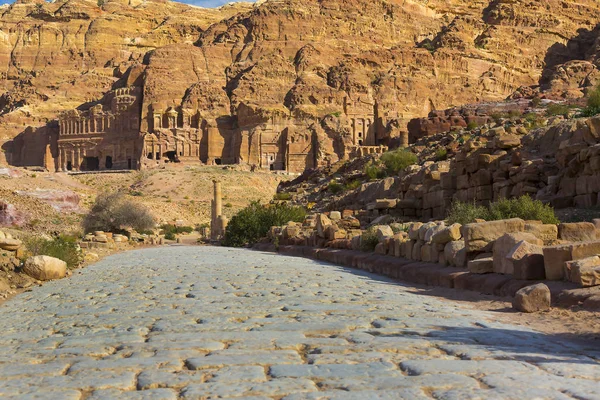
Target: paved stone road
[200, 322]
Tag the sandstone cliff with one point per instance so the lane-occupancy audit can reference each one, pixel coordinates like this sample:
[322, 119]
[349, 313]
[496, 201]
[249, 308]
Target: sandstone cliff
[294, 60]
[56, 56]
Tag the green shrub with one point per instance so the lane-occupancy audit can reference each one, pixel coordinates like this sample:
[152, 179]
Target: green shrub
[368, 240]
[355, 184]
[172, 230]
[228, 205]
[397, 160]
[62, 247]
[523, 207]
[466, 213]
[374, 172]
[472, 125]
[335, 187]
[593, 103]
[441, 154]
[558, 109]
[201, 227]
[254, 222]
[536, 102]
[428, 45]
[170, 236]
[113, 212]
[283, 196]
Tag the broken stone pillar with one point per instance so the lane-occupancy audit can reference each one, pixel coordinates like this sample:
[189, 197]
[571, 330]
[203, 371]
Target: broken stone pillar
[216, 223]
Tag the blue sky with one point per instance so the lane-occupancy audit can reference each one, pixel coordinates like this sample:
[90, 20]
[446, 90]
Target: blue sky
[201, 3]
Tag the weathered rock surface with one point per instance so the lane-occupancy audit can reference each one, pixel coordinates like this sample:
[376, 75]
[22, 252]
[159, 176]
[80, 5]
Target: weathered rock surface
[45, 268]
[532, 298]
[280, 66]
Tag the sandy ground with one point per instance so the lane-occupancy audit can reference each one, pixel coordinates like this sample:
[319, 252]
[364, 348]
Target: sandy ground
[176, 192]
[571, 321]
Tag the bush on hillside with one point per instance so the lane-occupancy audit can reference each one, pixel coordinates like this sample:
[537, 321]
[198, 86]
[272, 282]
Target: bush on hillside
[335, 187]
[62, 247]
[283, 196]
[465, 213]
[397, 160]
[441, 154]
[368, 240]
[113, 212]
[558, 109]
[523, 207]
[593, 103]
[373, 171]
[472, 125]
[352, 185]
[254, 222]
[171, 231]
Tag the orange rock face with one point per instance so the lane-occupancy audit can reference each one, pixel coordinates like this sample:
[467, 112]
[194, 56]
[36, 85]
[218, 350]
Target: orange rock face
[322, 76]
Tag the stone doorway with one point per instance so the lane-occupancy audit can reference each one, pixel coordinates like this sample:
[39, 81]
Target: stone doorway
[172, 156]
[109, 162]
[92, 163]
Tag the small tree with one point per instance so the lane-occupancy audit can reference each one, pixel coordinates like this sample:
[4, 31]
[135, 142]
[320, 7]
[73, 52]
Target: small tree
[254, 222]
[113, 212]
[397, 160]
[593, 103]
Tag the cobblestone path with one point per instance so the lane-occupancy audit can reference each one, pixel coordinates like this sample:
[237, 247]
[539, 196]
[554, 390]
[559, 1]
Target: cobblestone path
[201, 322]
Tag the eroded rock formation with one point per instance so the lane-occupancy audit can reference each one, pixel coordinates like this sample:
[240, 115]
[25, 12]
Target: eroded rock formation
[289, 84]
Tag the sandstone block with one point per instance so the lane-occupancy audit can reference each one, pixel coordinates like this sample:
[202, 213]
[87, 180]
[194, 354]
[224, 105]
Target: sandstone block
[429, 253]
[555, 257]
[548, 233]
[448, 234]
[528, 261]
[334, 233]
[532, 298]
[485, 232]
[323, 222]
[577, 232]
[384, 204]
[383, 232]
[431, 232]
[45, 268]
[451, 251]
[335, 215]
[380, 249]
[407, 248]
[413, 231]
[416, 251]
[504, 246]
[424, 228]
[585, 272]
[592, 303]
[10, 244]
[481, 265]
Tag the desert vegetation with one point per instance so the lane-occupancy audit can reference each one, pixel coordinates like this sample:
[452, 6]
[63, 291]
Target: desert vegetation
[253, 222]
[114, 212]
[523, 207]
[63, 247]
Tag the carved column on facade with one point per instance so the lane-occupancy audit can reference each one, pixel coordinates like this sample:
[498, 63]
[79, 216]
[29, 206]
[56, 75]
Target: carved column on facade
[76, 159]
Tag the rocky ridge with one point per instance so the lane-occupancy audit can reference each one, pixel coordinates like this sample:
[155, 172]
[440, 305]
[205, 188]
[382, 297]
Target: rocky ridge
[294, 62]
